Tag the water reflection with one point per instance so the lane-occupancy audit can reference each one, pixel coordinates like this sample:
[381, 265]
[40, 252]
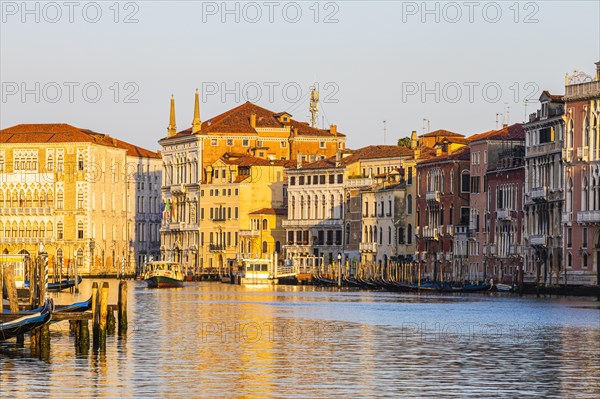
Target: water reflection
[221, 341]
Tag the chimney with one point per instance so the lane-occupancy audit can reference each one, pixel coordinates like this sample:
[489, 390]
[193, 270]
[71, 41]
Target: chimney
[298, 161]
[172, 129]
[417, 153]
[253, 120]
[338, 158]
[196, 123]
[333, 129]
[413, 139]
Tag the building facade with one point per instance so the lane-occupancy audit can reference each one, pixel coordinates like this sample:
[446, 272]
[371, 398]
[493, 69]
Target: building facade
[581, 219]
[75, 191]
[544, 191]
[189, 155]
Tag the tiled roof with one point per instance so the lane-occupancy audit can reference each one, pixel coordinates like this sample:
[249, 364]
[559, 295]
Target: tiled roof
[237, 120]
[553, 97]
[512, 132]
[249, 160]
[364, 153]
[270, 211]
[65, 133]
[462, 154]
[441, 132]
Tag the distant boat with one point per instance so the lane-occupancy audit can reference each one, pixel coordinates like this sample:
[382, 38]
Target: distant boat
[476, 287]
[256, 271]
[163, 274]
[27, 322]
[504, 287]
[57, 287]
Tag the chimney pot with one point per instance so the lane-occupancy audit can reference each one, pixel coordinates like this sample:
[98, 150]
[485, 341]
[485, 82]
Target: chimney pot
[253, 120]
[333, 130]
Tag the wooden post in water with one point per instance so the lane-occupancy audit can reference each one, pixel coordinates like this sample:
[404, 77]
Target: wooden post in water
[103, 315]
[13, 300]
[110, 321]
[83, 337]
[31, 276]
[1, 287]
[122, 308]
[95, 315]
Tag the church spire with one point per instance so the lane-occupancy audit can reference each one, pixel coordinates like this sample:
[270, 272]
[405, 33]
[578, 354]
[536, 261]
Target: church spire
[172, 129]
[196, 123]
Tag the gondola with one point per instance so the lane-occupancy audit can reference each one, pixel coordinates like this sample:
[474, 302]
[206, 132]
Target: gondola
[475, 287]
[57, 287]
[27, 322]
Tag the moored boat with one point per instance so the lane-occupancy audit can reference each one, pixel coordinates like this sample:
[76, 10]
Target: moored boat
[256, 271]
[503, 287]
[163, 274]
[27, 322]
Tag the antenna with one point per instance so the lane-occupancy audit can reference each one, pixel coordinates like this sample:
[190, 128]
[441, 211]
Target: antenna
[384, 132]
[313, 108]
[506, 118]
[428, 127]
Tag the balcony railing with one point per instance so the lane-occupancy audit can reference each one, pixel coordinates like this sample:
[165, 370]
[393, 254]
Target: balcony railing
[582, 90]
[588, 217]
[539, 194]
[249, 233]
[537, 239]
[368, 247]
[216, 247]
[26, 211]
[360, 182]
[312, 222]
[544, 148]
[504, 214]
[26, 240]
[567, 217]
[449, 256]
[430, 233]
[567, 154]
[433, 196]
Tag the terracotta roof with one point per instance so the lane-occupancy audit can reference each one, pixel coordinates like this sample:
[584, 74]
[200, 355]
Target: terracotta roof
[553, 97]
[249, 160]
[237, 120]
[512, 132]
[441, 132]
[270, 211]
[462, 154]
[327, 163]
[364, 153]
[65, 133]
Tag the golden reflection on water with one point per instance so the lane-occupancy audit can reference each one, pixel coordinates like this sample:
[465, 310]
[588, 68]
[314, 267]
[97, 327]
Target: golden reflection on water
[222, 341]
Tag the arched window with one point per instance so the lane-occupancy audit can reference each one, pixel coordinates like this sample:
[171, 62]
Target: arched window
[409, 234]
[1, 199]
[36, 230]
[59, 200]
[570, 131]
[265, 247]
[584, 195]
[59, 231]
[79, 258]
[59, 163]
[381, 236]
[389, 235]
[59, 257]
[48, 233]
[277, 246]
[50, 163]
[265, 224]
[401, 235]
[570, 195]
[80, 230]
[347, 234]
[409, 204]
[465, 184]
[80, 199]
[584, 260]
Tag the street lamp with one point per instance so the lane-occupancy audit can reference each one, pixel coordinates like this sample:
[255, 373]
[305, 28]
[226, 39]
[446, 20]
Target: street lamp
[339, 258]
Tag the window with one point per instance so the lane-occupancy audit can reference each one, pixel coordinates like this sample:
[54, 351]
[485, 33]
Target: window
[59, 231]
[214, 142]
[321, 144]
[229, 142]
[569, 260]
[235, 212]
[59, 257]
[80, 230]
[340, 178]
[465, 186]
[265, 247]
[584, 238]
[245, 143]
[59, 200]
[80, 163]
[410, 175]
[79, 258]
[331, 179]
[259, 143]
[265, 224]
[409, 204]
[80, 199]
[569, 237]
[409, 234]
[584, 260]
[283, 144]
[293, 181]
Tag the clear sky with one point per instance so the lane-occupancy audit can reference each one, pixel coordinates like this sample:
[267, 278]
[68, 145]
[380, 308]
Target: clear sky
[456, 64]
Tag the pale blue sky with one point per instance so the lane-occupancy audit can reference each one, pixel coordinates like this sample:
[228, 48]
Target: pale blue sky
[372, 56]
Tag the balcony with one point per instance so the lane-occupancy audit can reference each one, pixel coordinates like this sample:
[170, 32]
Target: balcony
[368, 247]
[218, 219]
[432, 196]
[582, 90]
[25, 240]
[539, 194]
[504, 214]
[567, 217]
[177, 188]
[360, 182]
[588, 217]
[450, 230]
[583, 153]
[216, 247]
[537, 240]
[249, 233]
[312, 222]
[567, 154]
[430, 233]
[544, 148]
[449, 256]
[25, 211]
[489, 250]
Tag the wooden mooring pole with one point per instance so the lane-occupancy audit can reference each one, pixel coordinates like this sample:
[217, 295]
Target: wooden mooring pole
[13, 301]
[122, 308]
[95, 316]
[103, 313]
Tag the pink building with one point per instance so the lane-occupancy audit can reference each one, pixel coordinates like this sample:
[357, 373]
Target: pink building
[581, 219]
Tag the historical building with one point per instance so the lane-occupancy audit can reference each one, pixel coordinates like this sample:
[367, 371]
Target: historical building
[487, 150]
[544, 190]
[442, 206]
[581, 217]
[189, 155]
[505, 187]
[91, 199]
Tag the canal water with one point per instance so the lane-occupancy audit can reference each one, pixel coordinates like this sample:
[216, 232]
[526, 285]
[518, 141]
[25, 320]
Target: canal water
[211, 340]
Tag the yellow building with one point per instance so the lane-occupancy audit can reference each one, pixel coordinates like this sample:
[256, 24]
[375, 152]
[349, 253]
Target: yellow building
[191, 155]
[75, 191]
